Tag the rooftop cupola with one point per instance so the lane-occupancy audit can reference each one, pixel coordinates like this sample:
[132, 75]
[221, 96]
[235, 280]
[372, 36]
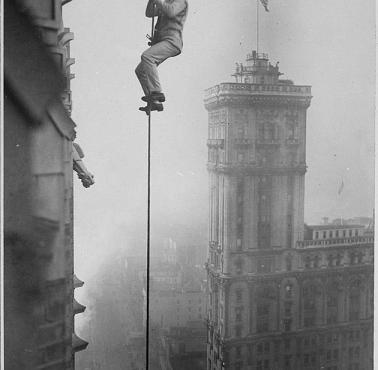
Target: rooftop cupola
[257, 70]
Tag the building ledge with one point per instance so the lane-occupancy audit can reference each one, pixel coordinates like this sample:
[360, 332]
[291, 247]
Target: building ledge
[235, 88]
[77, 307]
[313, 329]
[77, 283]
[78, 344]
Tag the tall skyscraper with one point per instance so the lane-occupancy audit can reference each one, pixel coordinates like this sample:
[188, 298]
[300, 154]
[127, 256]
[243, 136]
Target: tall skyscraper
[276, 299]
[39, 158]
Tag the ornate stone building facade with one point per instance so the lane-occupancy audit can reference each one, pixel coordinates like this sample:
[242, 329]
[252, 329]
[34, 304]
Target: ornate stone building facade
[39, 157]
[279, 298]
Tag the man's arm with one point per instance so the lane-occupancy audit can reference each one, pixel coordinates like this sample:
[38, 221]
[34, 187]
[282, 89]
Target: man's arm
[171, 7]
[151, 11]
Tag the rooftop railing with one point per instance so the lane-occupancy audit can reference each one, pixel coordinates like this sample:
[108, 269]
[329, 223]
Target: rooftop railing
[254, 56]
[335, 242]
[256, 88]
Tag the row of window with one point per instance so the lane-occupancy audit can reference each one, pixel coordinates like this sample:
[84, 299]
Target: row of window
[329, 340]
[333, 260]
[264, 352]
[329, 234]
[310, 318]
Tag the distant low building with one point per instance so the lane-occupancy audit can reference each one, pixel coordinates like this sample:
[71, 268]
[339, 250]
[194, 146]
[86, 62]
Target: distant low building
[178, 308]
[136, 351]
[333, 231]
[185, 346]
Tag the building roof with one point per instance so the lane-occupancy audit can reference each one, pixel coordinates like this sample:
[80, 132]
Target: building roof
[334, 227]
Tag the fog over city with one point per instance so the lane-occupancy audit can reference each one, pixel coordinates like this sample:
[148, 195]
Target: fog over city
[328, 45]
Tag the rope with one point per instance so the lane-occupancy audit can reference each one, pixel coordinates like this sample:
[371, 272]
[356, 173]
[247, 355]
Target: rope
[148, 239]
[149, 218]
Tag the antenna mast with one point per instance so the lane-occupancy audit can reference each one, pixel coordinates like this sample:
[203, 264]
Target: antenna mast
[257, 25]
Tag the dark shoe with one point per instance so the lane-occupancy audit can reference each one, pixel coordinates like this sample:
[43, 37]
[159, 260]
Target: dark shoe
[159, 96]
[151, 107]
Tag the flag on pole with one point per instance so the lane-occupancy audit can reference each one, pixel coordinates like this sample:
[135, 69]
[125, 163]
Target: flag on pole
[265, 4]
[341, 188]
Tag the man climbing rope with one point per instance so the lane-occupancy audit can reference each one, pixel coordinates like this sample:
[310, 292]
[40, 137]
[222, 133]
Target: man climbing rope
[165, 43]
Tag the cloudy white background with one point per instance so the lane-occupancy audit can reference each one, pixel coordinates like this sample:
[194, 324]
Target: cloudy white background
[326, 44]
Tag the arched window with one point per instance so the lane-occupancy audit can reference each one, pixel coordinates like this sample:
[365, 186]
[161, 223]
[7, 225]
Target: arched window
[265, 300]
[332, 302]
[268, 131]
[241, 132]
[260, 131]
[288, 291]
[291, 131]
[309, 295]
[354, 300]
[289, 260]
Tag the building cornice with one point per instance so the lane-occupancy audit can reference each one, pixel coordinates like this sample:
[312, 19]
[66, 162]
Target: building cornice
[254, 169]
[360, 324]
[239, 94]
[277, 276]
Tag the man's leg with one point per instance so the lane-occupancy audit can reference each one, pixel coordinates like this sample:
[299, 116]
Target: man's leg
[147, 72]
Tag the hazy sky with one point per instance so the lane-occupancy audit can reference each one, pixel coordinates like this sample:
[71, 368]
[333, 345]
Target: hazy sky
[326, 44]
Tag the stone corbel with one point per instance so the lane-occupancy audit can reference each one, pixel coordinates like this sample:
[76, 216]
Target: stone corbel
[84, 175]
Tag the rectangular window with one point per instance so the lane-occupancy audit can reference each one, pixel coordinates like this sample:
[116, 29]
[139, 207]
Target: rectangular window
[238, 315]
[239, 295]
[357, 352]
[350, 353]
[260, 348]
[264, 265]
[313, 358]
[262, 326]
[335, 354]
[287, 324]
[288, 308]
[249, 361]
[238, 243]
[238, 330]
[287, 344]
[287, 362]
[309, 321]
[262, 309]
[306, 359]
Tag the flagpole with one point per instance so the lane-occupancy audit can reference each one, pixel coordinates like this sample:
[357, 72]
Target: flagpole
[257, 26]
